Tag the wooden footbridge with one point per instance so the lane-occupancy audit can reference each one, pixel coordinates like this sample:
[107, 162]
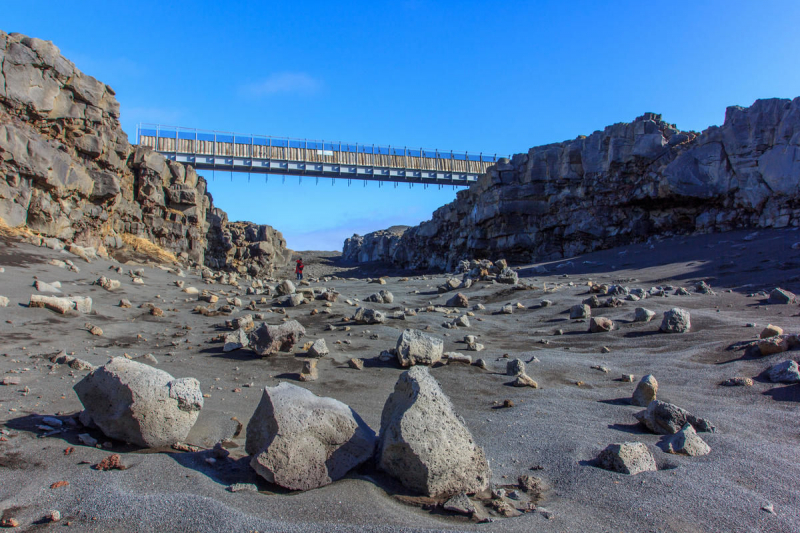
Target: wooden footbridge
[214, 150]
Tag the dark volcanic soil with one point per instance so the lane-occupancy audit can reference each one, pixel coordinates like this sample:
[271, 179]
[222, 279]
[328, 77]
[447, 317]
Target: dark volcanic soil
[560, 427]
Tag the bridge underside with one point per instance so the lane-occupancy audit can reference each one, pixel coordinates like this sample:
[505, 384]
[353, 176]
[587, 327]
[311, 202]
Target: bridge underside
[324, 170]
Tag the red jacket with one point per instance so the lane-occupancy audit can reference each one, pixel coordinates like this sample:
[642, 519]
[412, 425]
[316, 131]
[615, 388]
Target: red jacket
[299, 268]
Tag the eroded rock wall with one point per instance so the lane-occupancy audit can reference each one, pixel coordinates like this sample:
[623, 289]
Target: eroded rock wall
[624, 184]
[68, 171]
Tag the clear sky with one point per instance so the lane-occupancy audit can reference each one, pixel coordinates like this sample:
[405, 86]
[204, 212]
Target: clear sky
[460, 75]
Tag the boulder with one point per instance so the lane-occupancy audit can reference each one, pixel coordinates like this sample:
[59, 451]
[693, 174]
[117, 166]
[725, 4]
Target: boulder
[785, 372]
[579, 311]
[645, 392]
[781, 296]
[285, 287]
[417, 348]
[600, 324]
[665, 418]
[508, 277]
[425, 445]
[592, 301]
[686, 442]
[318, 349]
[773, 345]
[459, 300]
[310, 371]
[640, 314]
[368, 316]
[267, 340]
[302, 441]
[293, 300]
[627, 458]
[235, 340]
[139, 404]
[676, 320]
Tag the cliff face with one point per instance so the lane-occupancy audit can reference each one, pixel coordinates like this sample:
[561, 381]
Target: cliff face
[68, 171]
[616, 186]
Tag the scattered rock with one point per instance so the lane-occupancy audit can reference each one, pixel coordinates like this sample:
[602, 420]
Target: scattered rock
[369, 316]
[52, 516]
[112, 462]
[665, 418]
[459, 300]
[318, 349]
[524, 380]
[770, 331]
[581, 311]
[267, 340]
[302, 441]
[461, 504]
[646, 391]
[627, 458]
[643, 315]
[686, 442]
[417, 348]
[424, 444]
[136, 403]
[781, 296]
[676, 320]
[738, 381]
[285, 287]
[309, 372]
[785, 372]
[357, 364]
[235, 340]
[515, 367]
[600, 324]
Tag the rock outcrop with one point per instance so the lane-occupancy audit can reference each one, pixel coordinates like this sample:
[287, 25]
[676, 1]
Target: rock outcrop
[624, 184]
[68, 171]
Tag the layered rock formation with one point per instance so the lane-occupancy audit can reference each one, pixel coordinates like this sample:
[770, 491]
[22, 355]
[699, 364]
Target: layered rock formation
[68, 171]
[624, 184]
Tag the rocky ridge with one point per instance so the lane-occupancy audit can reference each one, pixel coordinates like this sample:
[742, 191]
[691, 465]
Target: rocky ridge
[68, 171]
[625, 184]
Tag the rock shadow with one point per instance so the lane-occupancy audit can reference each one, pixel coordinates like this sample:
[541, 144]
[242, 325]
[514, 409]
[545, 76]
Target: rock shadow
[788, 393]
[634, 429]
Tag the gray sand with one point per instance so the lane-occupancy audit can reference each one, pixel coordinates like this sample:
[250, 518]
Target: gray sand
[560, 427]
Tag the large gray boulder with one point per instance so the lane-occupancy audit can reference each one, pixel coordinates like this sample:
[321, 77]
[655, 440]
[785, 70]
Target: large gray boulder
[424, 444]
[302, 441]
[139, 404]
[665, 419]
[417, 348]
[267, 340]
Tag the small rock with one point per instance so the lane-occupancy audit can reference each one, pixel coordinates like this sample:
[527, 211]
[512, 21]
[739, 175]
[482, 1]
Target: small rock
[52, 516]
[87, 440]
[112, 462]
[243, 487]
[627, 378]
[459, 300]
[309, 372]
[785, 372]
[581, 311]
[318, 349]
[676, 320]
[461, 504]
[125, 303]
[507, 309]
[643, 315]
[770, 331]
[646, 391]
[781, 296]
[600, 324]
[665, 418]
[627, 458]
[686, 442]
[738, 382]
[524, 380]
[515, 367]
[357, 364]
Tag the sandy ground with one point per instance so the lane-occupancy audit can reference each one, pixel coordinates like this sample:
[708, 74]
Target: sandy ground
[557, 429]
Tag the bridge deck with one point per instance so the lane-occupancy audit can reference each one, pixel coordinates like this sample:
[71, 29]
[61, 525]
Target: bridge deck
[269, 155]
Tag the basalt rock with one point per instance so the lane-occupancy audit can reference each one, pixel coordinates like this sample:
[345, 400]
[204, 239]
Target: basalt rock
[617, 186]
[69, 174]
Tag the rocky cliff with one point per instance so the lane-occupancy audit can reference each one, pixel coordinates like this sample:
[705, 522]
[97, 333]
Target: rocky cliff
[68, 171]
[624, 184]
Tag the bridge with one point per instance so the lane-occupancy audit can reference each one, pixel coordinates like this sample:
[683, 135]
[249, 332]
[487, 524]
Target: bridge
[216, 150]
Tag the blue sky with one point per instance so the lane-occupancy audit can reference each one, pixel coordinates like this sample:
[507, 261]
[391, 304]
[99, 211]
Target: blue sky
[478, 76]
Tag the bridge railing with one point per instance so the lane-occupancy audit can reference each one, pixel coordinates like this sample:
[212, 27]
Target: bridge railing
[205, 142]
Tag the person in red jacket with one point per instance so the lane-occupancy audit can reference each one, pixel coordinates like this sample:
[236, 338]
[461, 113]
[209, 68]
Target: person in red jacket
[299, 268]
